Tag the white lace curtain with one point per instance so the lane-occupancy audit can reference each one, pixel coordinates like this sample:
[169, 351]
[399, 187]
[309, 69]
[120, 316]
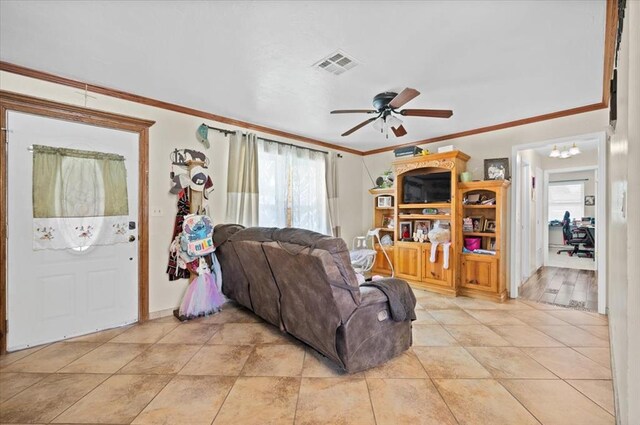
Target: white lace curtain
[79, 198]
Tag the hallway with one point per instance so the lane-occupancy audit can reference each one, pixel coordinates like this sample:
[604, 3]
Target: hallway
[561, 286]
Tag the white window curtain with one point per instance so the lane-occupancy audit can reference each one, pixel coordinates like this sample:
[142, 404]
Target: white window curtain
[566, 196]
[331, 166]
[293, 189]
[79, 198]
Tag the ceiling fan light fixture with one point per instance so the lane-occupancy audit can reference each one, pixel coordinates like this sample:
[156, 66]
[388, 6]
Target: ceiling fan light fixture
[574, 150]
[555, 153]
[378, 124]
[393, 121]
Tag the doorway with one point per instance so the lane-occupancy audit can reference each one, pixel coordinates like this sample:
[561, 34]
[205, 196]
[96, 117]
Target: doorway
[32, 114]
[569, 270]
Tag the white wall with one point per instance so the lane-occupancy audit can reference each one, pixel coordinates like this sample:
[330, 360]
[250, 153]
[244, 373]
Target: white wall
[171, 130]
[624, 226]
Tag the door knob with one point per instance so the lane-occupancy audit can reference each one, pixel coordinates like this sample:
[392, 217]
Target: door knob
[132, 238]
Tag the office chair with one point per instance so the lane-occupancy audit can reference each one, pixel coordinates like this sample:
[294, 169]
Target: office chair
[575, 238]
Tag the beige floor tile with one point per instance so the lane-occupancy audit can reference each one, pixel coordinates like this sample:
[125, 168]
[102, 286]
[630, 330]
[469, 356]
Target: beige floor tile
[227, 360]
[108, 358]
[161, 359]
[190, 333]
[600, 355]
[118, 400]
[8, 358]
[52, 358]
[188, 400]
[453, 317]
[406, 365]
[432, 336]
[46, 399]
[102, 336]
[423, 317]
[450, 362]
[146, 333]
[576, 317]
[14, 382]
[260, 401]
[436, 303]
[476, 336]
[482, 402]
[568, 363]
[475, 304]
[526, 336]
[509, 362]
[543, 306]
[318, 366]
[600, 331]
[274, 360]
[553, 402]
[573, 336]
[248, 334]
[536, 317]
[408, 402]
[334, 401]
[599, 391]
[494, 317]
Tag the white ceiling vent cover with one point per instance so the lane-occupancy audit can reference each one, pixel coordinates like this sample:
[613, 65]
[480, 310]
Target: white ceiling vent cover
[336, 63]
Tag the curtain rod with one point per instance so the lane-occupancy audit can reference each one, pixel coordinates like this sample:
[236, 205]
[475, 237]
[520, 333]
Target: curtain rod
[222, 130]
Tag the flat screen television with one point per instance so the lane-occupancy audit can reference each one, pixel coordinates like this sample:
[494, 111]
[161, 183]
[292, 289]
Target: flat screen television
[426, 188]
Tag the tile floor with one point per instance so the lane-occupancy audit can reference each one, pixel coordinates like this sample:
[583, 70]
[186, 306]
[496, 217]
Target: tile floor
[472, 362]
[563, 286]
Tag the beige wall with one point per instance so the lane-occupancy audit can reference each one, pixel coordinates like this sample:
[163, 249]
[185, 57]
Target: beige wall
[624, 226]
[171, 130]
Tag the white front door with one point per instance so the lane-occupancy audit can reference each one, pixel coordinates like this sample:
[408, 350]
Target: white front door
[57, 294]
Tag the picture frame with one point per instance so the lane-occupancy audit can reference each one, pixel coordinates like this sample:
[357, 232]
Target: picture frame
[496, 169]
[424, 225]
[492, 244]
[385, 201]
[405, 230]
[589, 200]
[489, 226]
[478, 223]
[387, 221]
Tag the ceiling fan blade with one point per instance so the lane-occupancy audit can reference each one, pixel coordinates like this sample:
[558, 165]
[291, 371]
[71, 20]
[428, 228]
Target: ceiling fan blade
[354, 111]
[399, 131]
[359, 126]
[434, 113]
[403, 97]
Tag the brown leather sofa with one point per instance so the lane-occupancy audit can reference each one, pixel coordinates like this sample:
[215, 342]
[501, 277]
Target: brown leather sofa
[303, 282]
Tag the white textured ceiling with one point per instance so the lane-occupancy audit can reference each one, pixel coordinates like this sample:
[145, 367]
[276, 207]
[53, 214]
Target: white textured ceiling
[490, 61]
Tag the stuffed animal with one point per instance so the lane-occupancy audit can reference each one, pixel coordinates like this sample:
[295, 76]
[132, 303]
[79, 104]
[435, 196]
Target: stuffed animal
[440, 235]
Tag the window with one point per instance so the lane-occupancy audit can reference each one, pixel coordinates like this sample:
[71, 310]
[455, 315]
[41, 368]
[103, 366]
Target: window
[293, 189]
[566, 196]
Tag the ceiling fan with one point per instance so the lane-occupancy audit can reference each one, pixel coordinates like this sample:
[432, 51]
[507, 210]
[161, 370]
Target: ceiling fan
[386, 107]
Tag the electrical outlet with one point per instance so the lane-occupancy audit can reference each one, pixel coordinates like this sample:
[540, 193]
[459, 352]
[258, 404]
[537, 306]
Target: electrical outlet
[156, 212]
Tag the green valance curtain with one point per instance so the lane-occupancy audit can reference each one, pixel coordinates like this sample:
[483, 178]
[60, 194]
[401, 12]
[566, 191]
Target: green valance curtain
[78, 183]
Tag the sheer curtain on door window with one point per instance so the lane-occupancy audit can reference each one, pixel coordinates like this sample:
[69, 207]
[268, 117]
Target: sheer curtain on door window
[309, 191]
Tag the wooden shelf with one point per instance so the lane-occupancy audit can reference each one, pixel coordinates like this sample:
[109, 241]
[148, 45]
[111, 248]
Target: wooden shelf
[384, 208]
[384, 229]
[478, 206]
[424, 217]
[422, 206]
[483, 234]
[382, 191]
[474, 255]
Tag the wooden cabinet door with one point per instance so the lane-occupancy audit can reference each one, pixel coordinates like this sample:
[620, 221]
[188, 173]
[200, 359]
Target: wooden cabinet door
[435, 272]
[479, 273]
[381, 264]
[407, 261]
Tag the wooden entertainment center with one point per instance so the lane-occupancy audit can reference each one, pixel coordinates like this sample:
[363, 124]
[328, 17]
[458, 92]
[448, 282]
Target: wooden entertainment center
[482, 274]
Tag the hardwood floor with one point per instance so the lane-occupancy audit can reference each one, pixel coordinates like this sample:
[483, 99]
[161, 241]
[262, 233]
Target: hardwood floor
[564, 287]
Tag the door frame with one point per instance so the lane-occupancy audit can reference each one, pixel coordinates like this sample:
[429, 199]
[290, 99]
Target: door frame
[10, 101]
[601, 208]
[524, 226]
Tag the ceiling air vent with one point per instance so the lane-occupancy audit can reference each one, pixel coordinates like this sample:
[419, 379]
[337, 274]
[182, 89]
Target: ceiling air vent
[336, 63]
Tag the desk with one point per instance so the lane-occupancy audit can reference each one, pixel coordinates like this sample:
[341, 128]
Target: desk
[556, 238]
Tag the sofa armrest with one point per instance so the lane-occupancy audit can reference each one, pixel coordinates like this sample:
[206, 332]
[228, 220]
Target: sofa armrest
[370, 295]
